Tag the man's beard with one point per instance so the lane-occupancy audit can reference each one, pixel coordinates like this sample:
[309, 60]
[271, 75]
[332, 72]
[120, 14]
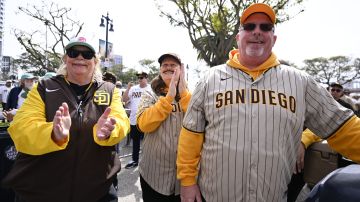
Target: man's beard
[254, 52]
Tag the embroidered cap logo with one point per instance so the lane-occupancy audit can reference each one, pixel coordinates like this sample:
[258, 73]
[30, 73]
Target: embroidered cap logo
[102, 97]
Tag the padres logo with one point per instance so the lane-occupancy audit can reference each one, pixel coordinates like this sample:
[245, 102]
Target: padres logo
[101, 97]
[10, 153]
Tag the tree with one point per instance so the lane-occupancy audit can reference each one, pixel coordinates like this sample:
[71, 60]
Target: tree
[212, 25]
[61, 27]
[153, 69]
[341, 69]
[117, 70]
[130, 73]
[127, 76]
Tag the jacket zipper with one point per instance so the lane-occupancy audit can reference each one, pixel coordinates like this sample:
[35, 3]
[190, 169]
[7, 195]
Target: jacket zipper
[80, 114]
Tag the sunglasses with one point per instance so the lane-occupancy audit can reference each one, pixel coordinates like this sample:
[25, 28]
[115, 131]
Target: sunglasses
[72, 53]
[265, 27]
[140, 77]
[336, 90]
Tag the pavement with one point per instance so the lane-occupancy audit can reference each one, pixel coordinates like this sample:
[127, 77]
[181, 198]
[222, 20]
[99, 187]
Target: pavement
[128, 179]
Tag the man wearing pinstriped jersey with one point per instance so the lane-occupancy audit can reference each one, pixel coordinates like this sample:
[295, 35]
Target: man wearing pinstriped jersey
[245, 119]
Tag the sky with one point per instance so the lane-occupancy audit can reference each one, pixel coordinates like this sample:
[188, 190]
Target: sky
[326, 28]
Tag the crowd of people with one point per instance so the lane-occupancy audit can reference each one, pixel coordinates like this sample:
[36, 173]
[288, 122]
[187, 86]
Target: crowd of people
[238, 136]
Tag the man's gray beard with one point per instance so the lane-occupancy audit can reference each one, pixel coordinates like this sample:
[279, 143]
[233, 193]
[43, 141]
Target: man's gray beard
[254, 52]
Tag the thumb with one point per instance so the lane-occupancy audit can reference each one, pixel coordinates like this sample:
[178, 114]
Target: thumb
[113, 121]
[106, 113]
[66, 109]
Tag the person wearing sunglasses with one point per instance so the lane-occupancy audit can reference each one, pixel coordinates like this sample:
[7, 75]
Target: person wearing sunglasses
[159, 116]
[243, 126]
[338, 93]
[65, 133]
[132, 97]
[307, 139]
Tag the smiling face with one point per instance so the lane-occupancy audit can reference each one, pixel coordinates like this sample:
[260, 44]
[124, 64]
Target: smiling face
[255, 45]
[79, 69]
[167, 69]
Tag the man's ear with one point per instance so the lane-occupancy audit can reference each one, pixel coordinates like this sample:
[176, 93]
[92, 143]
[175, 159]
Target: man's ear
[237, 36]
[275, 37]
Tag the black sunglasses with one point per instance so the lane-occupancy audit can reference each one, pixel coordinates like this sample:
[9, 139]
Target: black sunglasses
[140, 77]
[337, 90]
[265, 27]
[72, 53]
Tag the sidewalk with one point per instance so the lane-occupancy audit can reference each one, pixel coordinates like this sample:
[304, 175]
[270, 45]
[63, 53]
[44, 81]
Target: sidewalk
[128, 179]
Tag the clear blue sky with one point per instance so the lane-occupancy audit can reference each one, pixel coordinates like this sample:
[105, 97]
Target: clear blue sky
[326, 28]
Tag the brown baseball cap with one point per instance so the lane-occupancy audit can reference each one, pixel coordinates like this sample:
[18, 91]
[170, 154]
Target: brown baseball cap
[258, 8]
[171, 55]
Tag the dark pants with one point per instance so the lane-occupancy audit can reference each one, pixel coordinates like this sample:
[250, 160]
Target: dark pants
[136, 135]
[150, 195]
[3, 104]
[296, 184]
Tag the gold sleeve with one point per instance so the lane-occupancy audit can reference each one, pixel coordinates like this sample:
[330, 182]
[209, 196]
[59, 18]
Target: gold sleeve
[346, 140]
[150, 115]
[188, 156]
[30, 131]
[185, 99]
[308, 138]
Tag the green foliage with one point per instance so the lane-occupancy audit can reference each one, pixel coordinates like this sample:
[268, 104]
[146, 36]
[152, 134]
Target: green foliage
[153, 69]
[212, 25]
[29, 63]
[130, 74]
[341, 69]
[117, 70]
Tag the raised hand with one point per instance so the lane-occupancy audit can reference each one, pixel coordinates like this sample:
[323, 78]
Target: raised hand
[182, 82]
[173, 83]
[105, 125]
[61, 124]
[130, 84]
[9, 115]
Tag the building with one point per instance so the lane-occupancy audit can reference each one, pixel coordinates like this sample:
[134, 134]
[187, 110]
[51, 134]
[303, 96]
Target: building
[7, 68]
[118, 60]
[2, 15]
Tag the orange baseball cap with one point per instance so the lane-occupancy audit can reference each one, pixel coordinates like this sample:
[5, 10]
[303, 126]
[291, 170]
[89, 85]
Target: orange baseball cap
[258, 8]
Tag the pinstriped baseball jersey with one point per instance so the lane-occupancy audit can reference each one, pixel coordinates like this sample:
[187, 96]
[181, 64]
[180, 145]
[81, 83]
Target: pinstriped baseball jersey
[252, 129]
[158, 162]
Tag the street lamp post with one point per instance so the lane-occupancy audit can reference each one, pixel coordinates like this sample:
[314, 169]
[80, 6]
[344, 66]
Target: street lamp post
[46, 45]
[108, 20]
